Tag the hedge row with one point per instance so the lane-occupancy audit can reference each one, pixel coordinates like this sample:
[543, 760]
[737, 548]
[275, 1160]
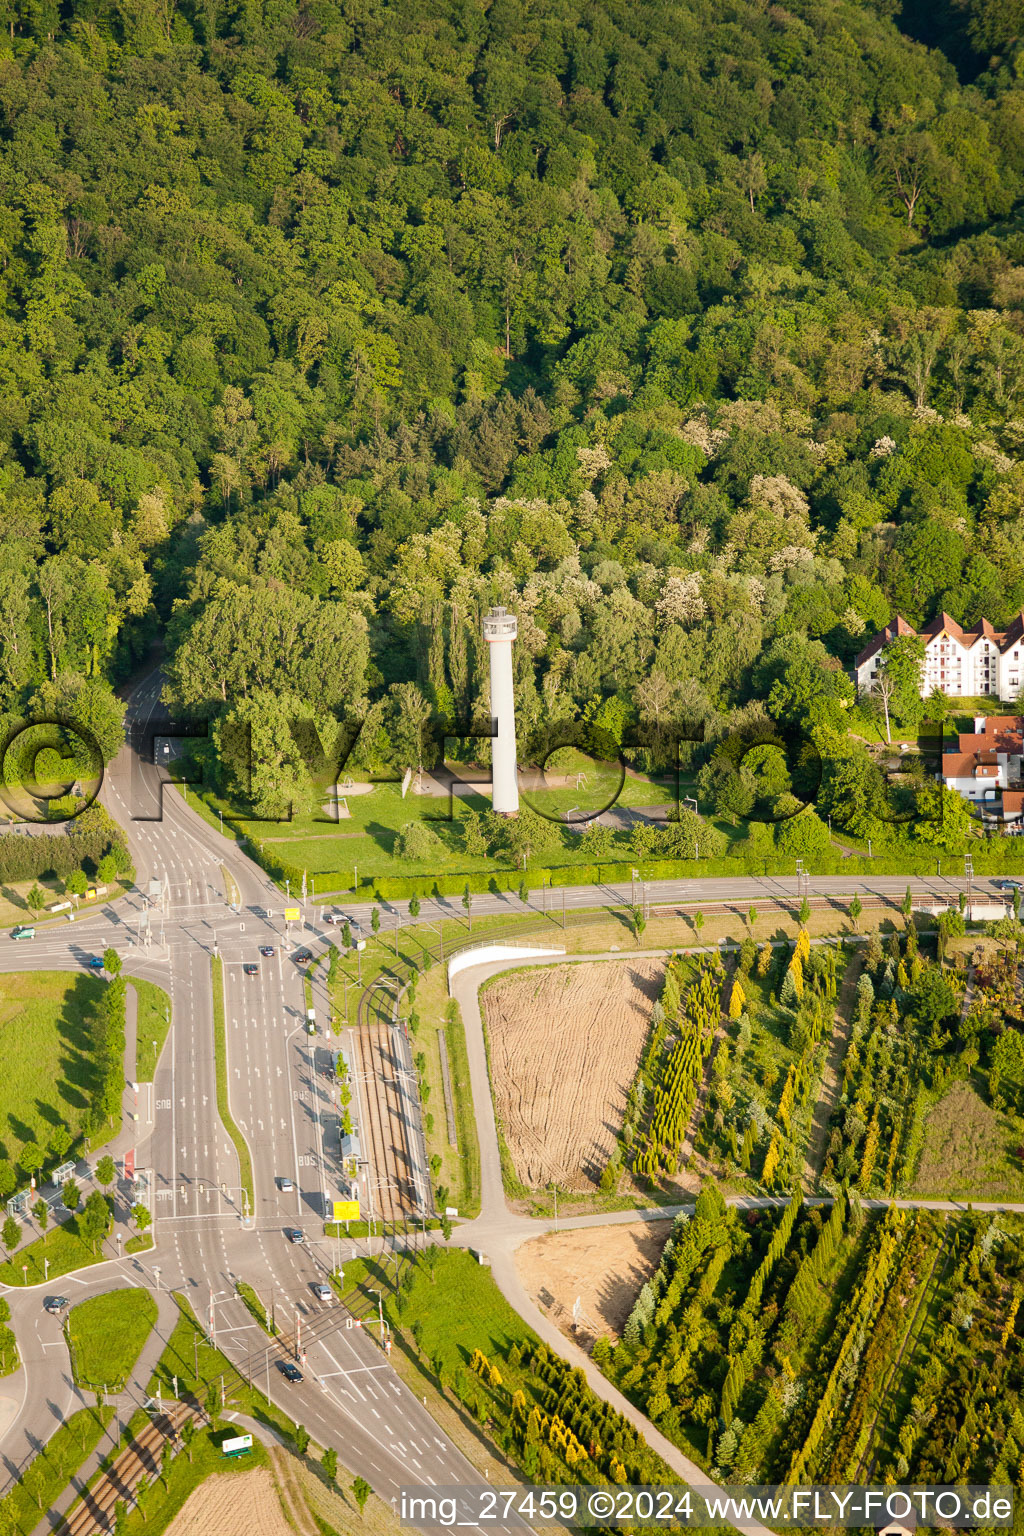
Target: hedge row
[989, 860]
[38, 855]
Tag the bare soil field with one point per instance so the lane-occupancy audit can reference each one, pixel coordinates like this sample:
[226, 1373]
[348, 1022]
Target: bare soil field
[604, 1266]
[233, 1506]
[564, 1045]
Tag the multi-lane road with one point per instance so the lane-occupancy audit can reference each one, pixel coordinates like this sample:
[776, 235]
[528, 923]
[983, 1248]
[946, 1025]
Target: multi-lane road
[349, 1397]
[212, 901]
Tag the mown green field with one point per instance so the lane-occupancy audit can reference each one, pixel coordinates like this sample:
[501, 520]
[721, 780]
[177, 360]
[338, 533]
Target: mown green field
[46, 1045]
[107, 1334]
[154, 1022]
[366, 838]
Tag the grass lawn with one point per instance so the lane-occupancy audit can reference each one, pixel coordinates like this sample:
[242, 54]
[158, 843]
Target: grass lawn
[107, 1334]
[365, 839]
[52, 1469]
[460, 1168]
[63, 1246]
[460, 1311]
[969, 1149]
[154, 1022]
[139, 1244]
[14, 907]
[47, 1046]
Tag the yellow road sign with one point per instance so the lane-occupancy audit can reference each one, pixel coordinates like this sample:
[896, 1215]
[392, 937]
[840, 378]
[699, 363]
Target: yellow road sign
[346, 1210]
[292, 914]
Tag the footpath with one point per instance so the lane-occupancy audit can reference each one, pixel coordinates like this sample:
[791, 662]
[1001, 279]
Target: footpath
[125, 1404]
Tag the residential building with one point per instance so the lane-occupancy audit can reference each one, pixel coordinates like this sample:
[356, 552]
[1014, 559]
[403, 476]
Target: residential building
[986, 766]
[961, 663]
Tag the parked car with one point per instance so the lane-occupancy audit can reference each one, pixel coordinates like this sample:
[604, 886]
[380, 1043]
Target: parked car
[321, 1291]
[295, 1234]
[290, 1372]
[285, 1185]
[251, 970]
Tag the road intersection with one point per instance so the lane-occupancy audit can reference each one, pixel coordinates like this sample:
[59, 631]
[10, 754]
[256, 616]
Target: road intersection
[207, 1239]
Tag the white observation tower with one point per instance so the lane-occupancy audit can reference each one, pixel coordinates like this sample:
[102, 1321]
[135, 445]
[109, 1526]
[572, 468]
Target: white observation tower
[500, 629]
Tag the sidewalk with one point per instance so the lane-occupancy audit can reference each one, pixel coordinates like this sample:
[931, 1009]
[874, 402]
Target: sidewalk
[125, 1403]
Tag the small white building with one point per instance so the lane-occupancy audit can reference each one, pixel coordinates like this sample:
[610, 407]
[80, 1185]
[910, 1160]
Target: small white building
[961, 663]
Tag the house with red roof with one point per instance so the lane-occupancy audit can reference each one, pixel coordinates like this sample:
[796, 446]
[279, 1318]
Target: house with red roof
[985, 765]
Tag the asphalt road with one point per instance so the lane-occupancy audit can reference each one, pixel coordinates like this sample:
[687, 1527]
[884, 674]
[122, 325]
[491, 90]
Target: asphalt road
[350, 1397]
[206, 1239]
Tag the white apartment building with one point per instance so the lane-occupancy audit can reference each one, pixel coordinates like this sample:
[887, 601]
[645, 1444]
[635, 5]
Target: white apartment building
[962, 663]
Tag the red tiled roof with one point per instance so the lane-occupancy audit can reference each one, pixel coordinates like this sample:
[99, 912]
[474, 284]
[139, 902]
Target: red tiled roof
[1013, 799]
[942, 622]
[958, 765]
[1012, 635]
[896, 626]
[999, 740]
[968, 638]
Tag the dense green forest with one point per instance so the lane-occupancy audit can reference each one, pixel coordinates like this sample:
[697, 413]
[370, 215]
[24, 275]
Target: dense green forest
[695, 334]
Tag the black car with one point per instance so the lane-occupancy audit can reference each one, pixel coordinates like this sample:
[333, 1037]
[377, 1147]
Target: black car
[251, 970]
[303, 957]
[267, 951]
[290, 1372]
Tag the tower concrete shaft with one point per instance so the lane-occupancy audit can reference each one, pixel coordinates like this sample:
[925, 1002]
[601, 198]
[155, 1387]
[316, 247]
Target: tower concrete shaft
[500, 629]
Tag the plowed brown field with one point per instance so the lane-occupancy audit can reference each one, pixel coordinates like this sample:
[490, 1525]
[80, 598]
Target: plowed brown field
[233, 1506]
[564, 1045]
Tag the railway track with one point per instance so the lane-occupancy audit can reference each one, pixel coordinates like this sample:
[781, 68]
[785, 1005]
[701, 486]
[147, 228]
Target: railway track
[394, 1196]
[95, 1512]
[393, 1193]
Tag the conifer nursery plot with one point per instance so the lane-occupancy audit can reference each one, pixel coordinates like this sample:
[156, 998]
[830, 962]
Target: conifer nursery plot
[830, 1345]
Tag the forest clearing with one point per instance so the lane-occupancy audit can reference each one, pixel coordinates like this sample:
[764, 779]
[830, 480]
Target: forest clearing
[564, 1045]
